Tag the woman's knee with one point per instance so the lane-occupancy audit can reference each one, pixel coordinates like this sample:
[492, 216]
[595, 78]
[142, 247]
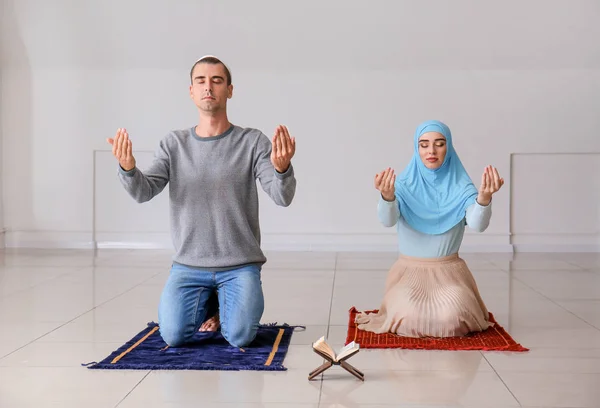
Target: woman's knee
[448, 318]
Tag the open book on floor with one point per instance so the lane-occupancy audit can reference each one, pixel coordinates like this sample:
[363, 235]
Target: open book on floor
[344, 353]
[324, 350]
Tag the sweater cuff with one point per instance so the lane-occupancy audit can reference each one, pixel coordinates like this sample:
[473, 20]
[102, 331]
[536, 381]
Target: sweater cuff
[129, 173]
[484, 206]
[383, 201]
[288, 173]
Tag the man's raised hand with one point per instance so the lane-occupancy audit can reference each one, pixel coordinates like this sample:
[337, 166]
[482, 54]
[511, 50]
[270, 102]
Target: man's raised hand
[122, 150]
[283, 149]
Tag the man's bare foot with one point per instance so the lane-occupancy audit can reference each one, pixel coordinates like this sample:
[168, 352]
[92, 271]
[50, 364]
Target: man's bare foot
[211, 325]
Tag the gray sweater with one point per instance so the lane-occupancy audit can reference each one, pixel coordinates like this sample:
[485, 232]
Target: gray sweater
[213, 193]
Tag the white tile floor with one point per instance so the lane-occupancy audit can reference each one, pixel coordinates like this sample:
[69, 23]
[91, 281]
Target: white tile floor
[61, 308]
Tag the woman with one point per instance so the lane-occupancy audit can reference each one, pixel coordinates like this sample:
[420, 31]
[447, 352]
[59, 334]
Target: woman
[430, 291]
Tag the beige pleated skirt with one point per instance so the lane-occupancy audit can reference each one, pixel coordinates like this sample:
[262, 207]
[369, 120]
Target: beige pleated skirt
[428, 297]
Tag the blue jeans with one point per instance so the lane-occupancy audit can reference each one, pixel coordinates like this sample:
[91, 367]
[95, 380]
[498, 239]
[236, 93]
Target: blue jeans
[188, 299]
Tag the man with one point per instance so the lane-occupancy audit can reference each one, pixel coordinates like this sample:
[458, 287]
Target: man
[212, 170]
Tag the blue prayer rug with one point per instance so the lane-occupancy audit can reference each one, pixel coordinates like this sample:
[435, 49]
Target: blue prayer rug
[206, 351]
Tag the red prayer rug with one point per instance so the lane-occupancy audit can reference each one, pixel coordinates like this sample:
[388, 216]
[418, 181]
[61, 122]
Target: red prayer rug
[494, 338]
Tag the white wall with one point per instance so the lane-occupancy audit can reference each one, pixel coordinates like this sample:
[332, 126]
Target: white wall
[3, 23]
[553, 219]
[2, 171]
[350, 79]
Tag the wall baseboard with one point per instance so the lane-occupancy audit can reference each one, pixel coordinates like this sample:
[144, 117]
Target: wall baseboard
[270, 242]
[547, 248]
[48, 239]
[546, 242]
[473, 243]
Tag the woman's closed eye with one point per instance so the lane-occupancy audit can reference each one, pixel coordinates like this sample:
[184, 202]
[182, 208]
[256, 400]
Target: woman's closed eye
[436, 144]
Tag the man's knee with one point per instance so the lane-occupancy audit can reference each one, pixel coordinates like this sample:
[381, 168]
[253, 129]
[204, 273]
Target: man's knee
[241, 335]
[173, 335]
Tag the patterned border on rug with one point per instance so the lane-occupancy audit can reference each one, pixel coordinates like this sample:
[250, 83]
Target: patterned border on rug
[494, 338]
[209, 351]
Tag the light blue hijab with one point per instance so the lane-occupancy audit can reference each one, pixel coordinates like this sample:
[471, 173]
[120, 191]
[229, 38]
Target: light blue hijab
[434, 201]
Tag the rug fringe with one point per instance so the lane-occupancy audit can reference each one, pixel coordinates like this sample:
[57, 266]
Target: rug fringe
[187, 367]
[515, 348]
[275, 324]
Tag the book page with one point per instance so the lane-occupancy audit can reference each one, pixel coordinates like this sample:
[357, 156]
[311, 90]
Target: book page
[322, 346]
[348, 350]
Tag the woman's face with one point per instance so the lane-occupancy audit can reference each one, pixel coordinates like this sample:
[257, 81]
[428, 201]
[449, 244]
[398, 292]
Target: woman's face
[432, 149]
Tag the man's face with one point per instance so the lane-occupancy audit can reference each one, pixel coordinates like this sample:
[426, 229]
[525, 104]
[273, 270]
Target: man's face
[209, 89]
